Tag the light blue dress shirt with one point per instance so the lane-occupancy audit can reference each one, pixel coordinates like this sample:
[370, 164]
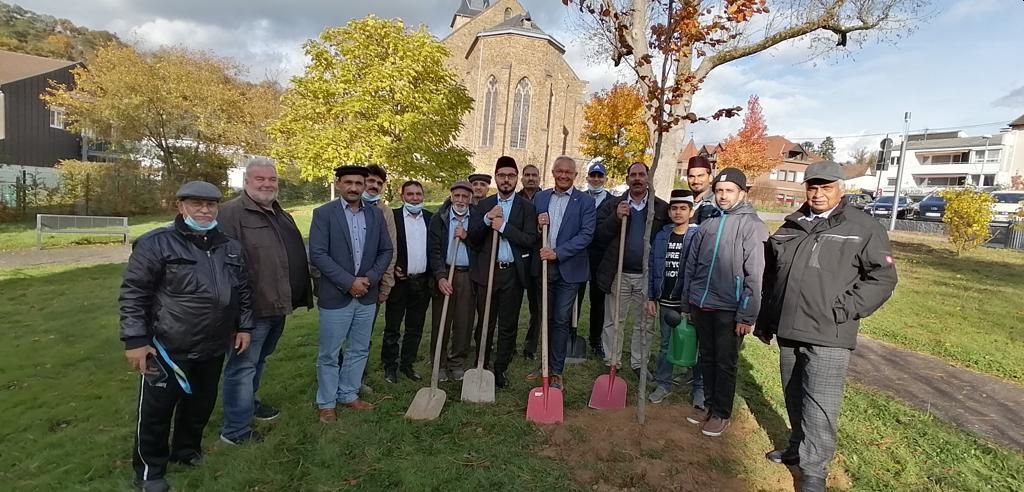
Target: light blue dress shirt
[460, 254]
[556, 212]
[504, 248]
[357, 231]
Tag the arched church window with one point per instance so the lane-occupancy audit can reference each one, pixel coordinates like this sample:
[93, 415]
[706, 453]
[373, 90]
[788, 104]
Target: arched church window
[521, 114]
[490, 104]
[508, 12]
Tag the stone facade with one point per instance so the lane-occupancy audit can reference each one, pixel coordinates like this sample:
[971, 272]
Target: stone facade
[507, 63]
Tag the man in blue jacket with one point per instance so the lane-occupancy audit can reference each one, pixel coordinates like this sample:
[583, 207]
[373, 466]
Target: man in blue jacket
[723, 293]
[349, 244]
[570, 217]
[667, 261]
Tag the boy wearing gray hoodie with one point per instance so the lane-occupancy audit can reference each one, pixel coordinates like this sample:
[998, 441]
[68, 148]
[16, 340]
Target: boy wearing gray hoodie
[723, 293]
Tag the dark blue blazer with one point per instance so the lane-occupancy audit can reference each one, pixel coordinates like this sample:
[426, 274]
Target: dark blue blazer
[330, 251]
[574, 234]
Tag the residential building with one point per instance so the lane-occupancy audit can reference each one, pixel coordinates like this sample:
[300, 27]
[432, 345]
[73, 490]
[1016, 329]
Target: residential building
[935, 161]
[782, 184]
[33, 137]
[528, 100]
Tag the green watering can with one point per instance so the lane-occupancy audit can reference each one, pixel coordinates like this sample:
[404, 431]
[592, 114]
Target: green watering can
[682, 345]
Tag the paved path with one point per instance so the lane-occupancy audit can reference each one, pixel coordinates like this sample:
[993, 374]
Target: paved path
[982, 404]
[83, 255]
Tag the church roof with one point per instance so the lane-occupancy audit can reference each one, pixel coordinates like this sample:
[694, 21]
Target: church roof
[470, 8]
[522, 25]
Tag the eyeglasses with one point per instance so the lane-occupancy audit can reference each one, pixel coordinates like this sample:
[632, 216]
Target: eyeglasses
[506, 176]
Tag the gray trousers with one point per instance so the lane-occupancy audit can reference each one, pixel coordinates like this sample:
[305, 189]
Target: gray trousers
[812, 382]
[632, 299]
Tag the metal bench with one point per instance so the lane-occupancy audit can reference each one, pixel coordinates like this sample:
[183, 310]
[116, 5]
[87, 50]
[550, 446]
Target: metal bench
[79, 224]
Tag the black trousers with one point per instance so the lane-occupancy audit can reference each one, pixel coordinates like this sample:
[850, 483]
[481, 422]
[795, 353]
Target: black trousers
[719, 349]
[596, 310]
[409, 299]
[533, 331]
[506, 300]
[160, 403]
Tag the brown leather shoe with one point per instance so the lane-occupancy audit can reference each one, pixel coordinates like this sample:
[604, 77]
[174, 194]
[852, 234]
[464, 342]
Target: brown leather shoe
[698, 416]
[328, 415]
[715, 426]
[360, 405]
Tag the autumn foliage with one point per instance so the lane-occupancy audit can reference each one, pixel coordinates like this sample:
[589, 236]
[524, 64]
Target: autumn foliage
[748, 149]
[968, 213]
[614, 129]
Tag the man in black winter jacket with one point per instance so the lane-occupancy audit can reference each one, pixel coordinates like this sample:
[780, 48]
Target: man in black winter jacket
[827, 267]
[184, 302]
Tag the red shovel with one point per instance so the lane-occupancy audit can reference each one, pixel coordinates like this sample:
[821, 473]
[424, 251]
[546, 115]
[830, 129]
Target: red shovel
[544, 405]
[610, 390]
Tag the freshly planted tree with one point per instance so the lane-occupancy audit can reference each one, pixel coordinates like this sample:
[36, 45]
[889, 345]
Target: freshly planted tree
[614, 129]
[374, 92]
[968, 213]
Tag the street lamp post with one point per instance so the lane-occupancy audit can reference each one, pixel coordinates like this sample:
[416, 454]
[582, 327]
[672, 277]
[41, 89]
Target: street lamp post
[984, 158]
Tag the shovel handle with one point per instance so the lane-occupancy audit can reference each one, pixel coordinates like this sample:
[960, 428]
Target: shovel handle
[544, 308]
[441, 327]
[618, 293]
[487, 301]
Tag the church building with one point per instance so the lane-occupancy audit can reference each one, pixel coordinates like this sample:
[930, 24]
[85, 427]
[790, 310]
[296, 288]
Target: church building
[528, 100]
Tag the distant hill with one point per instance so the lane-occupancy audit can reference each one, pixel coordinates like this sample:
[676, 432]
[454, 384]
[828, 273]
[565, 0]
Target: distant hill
[24, 31]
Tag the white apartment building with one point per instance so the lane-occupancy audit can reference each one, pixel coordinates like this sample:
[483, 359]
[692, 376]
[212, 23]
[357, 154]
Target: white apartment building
[939, 160]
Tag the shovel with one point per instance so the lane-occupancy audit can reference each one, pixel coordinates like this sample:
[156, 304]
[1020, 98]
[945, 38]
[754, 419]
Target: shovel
[576, 352]
[544, 405]
[429, 401]
[610, 390]
[478, 383]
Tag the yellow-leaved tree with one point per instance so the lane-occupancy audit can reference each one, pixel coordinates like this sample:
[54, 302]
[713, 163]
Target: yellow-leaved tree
[375, 92]
[968, 213]
[614, 129]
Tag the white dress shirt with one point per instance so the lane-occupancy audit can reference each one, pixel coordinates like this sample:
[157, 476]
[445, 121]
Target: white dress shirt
[415, 243]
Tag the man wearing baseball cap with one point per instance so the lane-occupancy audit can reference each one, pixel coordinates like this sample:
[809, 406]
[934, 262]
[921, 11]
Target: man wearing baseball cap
[827, 267]
[596, 179]
[184, 302]
[722, 293]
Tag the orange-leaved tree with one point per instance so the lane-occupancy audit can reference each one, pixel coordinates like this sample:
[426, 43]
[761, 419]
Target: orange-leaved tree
[614, 128]
[748, 149]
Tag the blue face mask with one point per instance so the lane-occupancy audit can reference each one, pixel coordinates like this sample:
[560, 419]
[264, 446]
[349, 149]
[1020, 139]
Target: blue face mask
[595, 189]
[367, 197]
[413, 209]
[195, 226]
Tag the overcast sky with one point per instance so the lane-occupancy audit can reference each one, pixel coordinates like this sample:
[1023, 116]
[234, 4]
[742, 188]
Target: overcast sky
[961, 68]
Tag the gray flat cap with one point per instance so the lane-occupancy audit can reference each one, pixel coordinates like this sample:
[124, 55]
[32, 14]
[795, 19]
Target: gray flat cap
[825, 171]
[199, 190]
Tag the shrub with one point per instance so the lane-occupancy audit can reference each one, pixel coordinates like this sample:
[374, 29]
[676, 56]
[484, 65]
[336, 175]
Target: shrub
[968, 213]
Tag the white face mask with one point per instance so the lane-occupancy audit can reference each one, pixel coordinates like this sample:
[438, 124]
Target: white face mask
[595, 189]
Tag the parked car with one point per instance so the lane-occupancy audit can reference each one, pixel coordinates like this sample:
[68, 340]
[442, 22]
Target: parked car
[1007, 204]
[857, 200]
[932, 207]
[882, 207]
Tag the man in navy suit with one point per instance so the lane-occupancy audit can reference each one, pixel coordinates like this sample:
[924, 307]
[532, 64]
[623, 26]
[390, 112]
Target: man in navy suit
[570, 216]
[515, 219]
[349, 244]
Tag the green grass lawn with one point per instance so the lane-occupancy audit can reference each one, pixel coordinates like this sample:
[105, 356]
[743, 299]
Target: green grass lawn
[67, 404]
[966, 309]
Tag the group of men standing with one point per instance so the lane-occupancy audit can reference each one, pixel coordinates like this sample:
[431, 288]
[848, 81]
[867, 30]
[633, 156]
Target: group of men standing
[219, 282]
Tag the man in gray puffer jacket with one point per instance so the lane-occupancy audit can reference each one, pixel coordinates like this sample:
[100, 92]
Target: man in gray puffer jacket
[723, 293]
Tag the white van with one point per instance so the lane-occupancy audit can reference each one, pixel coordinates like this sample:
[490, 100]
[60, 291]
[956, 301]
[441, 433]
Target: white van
[1006, 205]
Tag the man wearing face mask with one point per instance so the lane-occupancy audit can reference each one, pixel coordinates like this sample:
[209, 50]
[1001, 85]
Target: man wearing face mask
[184, 302]
[410, 296]
[531, 186]
[279, 275]
[722, 294]
[373, 196]
[451, 222]
[596, 178]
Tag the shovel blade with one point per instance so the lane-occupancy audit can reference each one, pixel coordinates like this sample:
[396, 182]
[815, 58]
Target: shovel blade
[545, 407]
[609, 393]
[427, 404]
[478, 386]
[576, 350]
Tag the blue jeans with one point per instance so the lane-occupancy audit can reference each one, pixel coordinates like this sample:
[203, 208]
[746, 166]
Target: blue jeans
[242, 376]
[353, 323]
[663, 373]
[561, 296]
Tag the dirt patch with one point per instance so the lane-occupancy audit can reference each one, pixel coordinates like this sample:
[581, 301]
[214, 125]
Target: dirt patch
[609, 451]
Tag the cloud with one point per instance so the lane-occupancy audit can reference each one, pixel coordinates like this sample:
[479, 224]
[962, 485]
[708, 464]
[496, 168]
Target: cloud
[1014, 99]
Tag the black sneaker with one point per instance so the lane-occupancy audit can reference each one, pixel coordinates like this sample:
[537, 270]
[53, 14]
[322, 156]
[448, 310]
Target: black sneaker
[598, 352]
[500, 380]
[529, 355]
[158, 485]
[411, 374]
[265, 412]
[391, 375]
[783, 457]
[191, 460]
[250, 437]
